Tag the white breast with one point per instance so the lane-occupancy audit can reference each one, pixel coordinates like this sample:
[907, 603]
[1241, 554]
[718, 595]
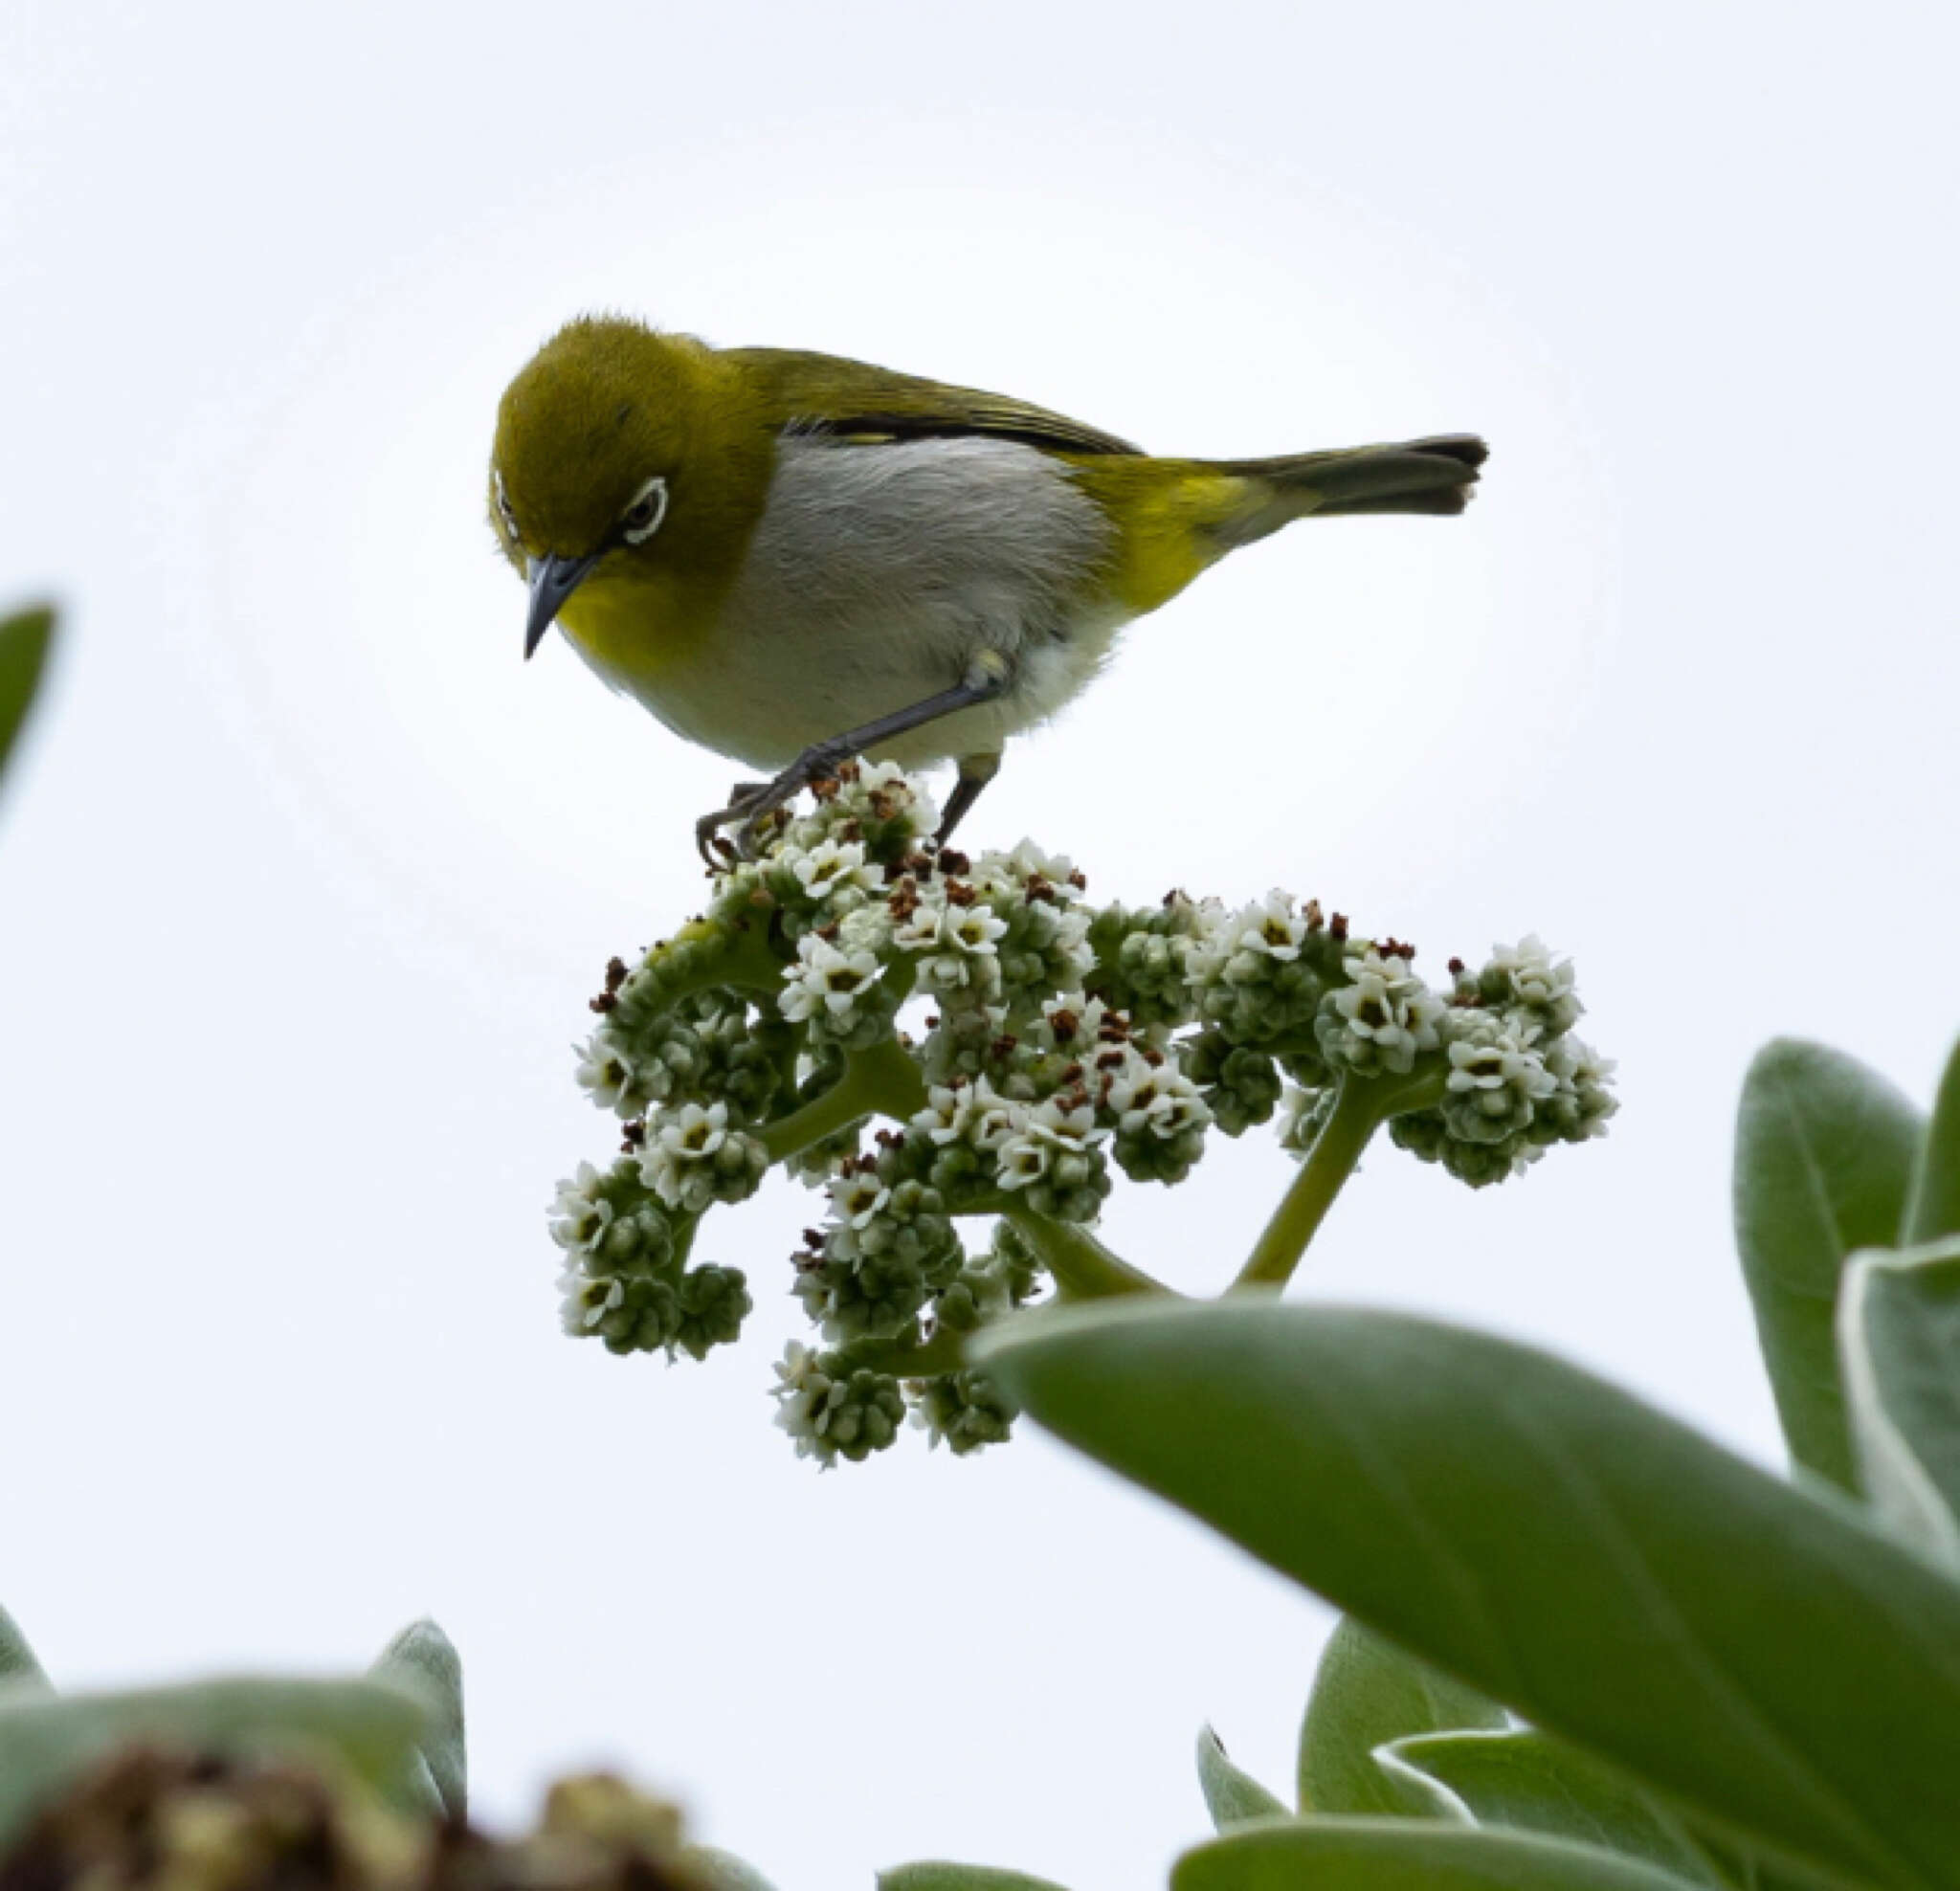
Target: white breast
[876, 576]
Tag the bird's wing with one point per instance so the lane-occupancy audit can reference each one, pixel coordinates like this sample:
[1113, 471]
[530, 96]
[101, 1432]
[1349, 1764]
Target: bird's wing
[851, 401]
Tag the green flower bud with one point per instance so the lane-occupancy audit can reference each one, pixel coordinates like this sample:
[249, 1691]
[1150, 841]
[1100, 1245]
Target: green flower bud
[833, 1411]
[1239, 1087]
[964, 1410]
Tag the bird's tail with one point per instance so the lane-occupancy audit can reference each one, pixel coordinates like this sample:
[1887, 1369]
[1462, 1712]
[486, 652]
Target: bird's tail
[1417, 475]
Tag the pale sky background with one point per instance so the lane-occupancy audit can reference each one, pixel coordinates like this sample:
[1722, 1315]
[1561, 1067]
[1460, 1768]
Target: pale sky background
[306, 878]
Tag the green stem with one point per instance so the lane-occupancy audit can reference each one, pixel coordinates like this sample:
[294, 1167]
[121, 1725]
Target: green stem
[881, 1082]
[1083, 1268]
[908, 1359]
[1357, 1114]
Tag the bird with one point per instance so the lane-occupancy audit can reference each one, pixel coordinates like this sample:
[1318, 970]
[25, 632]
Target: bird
[796, 559]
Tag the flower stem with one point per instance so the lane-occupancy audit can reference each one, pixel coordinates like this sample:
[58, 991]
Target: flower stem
[908, 1359]
[1357, 1114]
[1083, 1268]
[881, 1082]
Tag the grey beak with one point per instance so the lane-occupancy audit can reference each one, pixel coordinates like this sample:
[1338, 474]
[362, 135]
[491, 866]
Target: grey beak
[553, 580]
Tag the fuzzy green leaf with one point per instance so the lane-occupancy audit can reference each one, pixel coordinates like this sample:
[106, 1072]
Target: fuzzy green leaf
[1824, 1151]
[939, 1875]
[371, 1726]
[1901, 1334]
[1404, 1855]
[1754, 1650]
[24, 640]
[1526, 1781]
[424, 1658]
[1365, 1693]
[1933, 1211]
[1231, 1795]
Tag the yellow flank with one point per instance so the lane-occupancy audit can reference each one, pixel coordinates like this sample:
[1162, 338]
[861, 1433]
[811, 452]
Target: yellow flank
[1173, 519]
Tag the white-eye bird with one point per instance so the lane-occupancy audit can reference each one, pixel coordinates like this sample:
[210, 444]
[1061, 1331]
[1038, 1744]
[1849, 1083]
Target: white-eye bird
[795, 559]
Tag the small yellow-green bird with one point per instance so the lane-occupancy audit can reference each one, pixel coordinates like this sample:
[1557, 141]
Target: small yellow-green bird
[795, 559]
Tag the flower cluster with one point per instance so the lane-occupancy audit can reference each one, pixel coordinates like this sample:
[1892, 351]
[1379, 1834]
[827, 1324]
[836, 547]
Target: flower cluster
[928, 1037]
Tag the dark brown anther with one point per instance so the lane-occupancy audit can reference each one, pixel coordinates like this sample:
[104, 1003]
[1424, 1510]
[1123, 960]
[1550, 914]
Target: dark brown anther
[634, 1134]
[828, 933]
[1078, 880]
[1152, 1057]
[616, 974]
[1064, 1024]
[1337, 927]
[1072, 1074]
[1003, 1047]
[1112, 1061]
[1041, 889]
[952, 861]
[959, 893]
[603, 1003]
[1312, 915]
[1457, 967]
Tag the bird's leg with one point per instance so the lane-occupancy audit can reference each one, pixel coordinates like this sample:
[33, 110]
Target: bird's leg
[988, 677]
[976, 773]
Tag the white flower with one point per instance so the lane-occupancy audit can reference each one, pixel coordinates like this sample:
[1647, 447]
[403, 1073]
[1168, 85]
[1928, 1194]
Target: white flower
[919, 930]
[974, 930]
[996, 1118]
[1072, 1024]
[1536, 980]
[586, 1301]
[601, 1070]
[690, 1133]
[828, 867]
[801, 1389]
[1271, 929]
[827, 979]
[1048, 1132]
[857, 1198]
[1388, 1006]
[1497, 1060]
[1159, 1098]
[579, 1217]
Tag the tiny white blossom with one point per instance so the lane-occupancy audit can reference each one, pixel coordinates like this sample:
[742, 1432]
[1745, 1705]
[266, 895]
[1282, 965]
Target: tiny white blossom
[1271, 928]
[690, 1133]
[1159, 1098]
[801, 1389]
[578, 1216]
[586, 1301]
[1388, 1006]
[857, 1198]
[830, 867]
[601, 1070]
[827, 979]
[975, 929]
[1535, 978]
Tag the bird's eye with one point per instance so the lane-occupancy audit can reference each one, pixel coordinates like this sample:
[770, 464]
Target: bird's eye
[641, 520]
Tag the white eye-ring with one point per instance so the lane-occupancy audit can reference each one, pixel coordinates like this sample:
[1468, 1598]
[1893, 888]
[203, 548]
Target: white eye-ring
[641, 520]
[504, 507]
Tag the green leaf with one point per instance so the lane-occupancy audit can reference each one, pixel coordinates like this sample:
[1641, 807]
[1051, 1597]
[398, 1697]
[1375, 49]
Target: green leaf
[1933, 1211]
[1754, 1650]
[371, 1726]
[20, 1674]
[1232, 1796]
[1367, 1692]
[1824, 1151]
[722, 1871]
[425, 1659]
[1402, 1855]
[24, 640]
[937, 1875]
[1529, 1782]
[1900, 1333]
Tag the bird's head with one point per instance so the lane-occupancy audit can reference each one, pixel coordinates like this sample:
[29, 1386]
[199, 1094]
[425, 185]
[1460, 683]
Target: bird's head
[621, 451]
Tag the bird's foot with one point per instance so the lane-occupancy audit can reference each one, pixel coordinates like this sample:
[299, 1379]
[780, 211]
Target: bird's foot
[754, 804]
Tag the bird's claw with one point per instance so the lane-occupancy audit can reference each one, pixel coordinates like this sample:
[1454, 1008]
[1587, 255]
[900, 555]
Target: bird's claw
[751, 803]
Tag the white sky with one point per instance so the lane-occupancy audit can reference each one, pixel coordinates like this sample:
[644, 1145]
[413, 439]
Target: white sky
[306, 876]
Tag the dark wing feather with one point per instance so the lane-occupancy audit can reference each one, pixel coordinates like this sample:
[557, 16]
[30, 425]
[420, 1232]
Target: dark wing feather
[853, 402]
